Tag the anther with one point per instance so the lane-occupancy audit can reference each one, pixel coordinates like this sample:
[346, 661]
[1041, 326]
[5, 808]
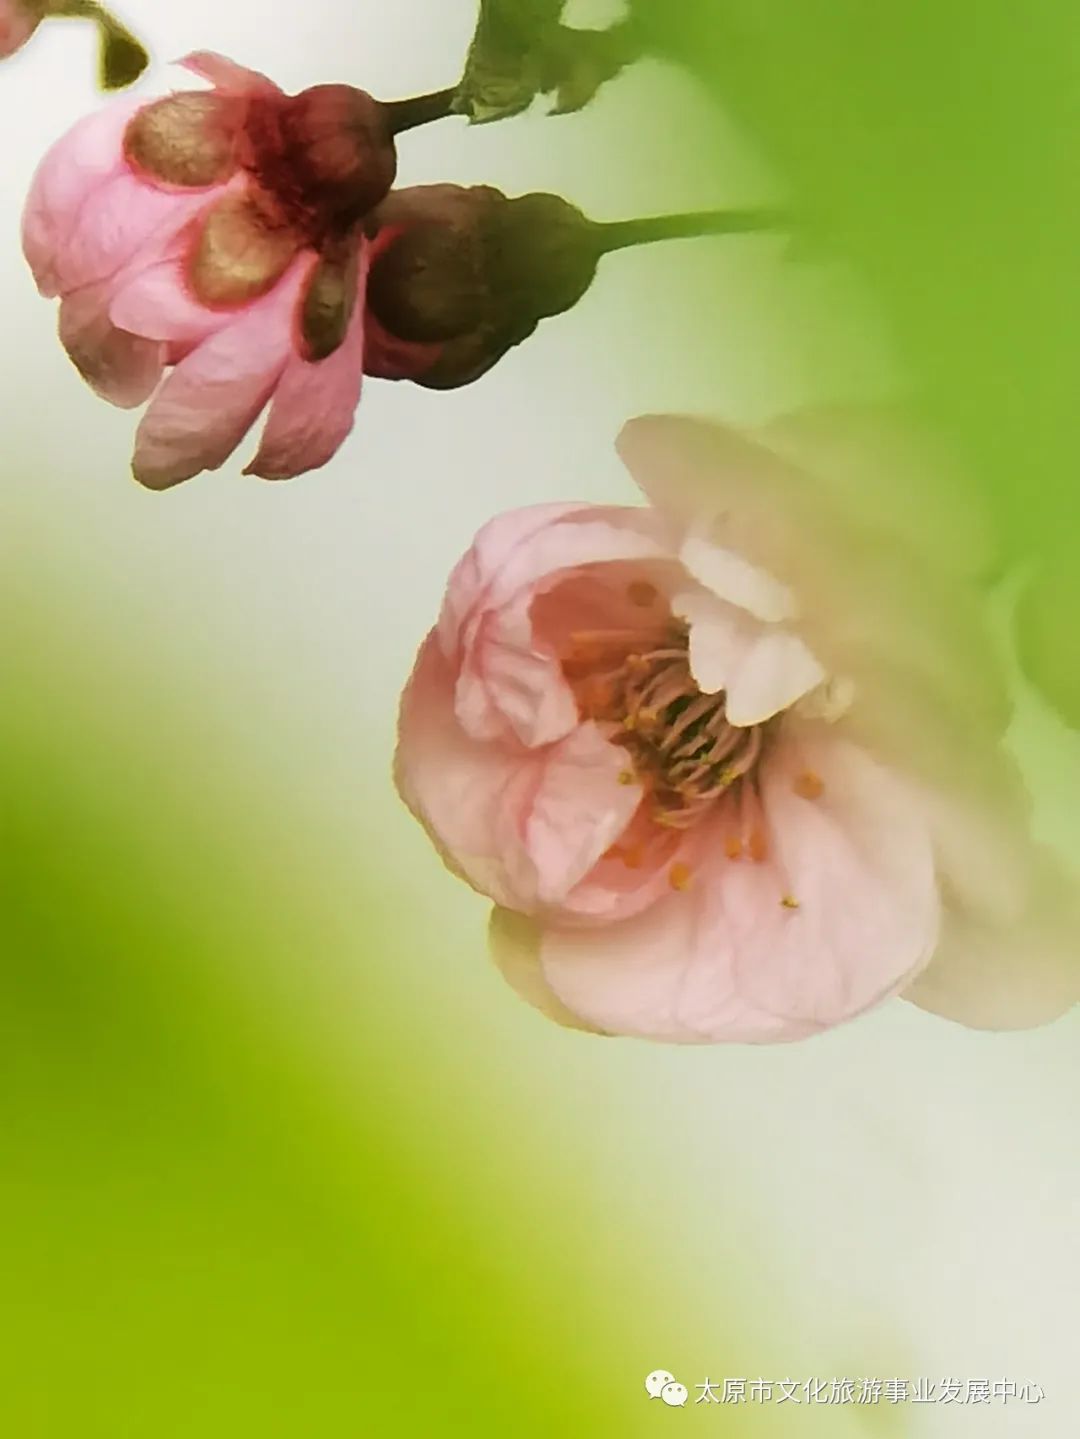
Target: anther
[679, 877]
[789, 902]
[809, 785]
[759, 846]
[733, 847]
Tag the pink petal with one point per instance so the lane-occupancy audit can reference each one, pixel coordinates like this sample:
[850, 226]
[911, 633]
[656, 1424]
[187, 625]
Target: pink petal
[509, 682]
[158, 302]
[522, 826]
[584, 535]
[514, 940]
[122, 368]
[213, 397]
[314, 406]
[578, 809]
[72, 170]
[859, 862]
[225, 74]
[492, 548]
[508, 685]
[635, 873]
[728, 960]
[121, 219]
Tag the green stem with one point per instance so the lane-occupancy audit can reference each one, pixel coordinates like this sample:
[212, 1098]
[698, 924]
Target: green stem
[621, 234]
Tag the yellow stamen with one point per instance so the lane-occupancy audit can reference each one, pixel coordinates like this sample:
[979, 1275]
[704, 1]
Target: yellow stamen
[733, 847]
[789, 902]
[809, 785]
[679, 877]
[627, 776]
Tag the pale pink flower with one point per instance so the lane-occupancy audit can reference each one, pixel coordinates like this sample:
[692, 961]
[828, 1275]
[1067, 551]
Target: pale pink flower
[208, 252]
[731, 766]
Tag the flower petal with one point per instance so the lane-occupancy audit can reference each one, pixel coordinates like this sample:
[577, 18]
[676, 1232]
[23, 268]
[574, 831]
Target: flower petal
[842, 913]
[492, 549]
[73, 169]
[314, 406]
[508, 684]
[523, 826]
[864, 596]
[731, 578]
[209, 402]
[514, 940]
[121, 219]
[122, 368]
[987, 975]
[158, 302]
[226, 75]
[899, 479]
[764, 669]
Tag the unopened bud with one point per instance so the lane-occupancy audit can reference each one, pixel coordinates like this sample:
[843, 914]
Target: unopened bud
[474, 273]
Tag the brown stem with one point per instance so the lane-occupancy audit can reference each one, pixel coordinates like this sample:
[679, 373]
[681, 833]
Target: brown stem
[419, 110]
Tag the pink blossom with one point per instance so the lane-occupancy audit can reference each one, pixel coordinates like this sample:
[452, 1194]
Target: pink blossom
[731, 766]
[208, 252]
[18, 21]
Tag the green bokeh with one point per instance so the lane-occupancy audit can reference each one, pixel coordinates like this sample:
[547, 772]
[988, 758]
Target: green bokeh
[207, 1228]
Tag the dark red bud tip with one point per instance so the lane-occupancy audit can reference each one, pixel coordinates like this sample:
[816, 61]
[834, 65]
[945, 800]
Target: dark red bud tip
[339, 147]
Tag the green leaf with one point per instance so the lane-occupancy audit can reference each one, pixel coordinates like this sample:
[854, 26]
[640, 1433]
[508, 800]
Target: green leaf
[521, 50]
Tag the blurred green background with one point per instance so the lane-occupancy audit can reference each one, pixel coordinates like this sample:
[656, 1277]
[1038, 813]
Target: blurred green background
[282, 1155]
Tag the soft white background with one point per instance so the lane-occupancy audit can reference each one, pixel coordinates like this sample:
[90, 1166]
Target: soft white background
[900, 1194]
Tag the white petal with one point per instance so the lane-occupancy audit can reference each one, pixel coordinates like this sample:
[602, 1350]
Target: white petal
[763, 668]
[730, 577]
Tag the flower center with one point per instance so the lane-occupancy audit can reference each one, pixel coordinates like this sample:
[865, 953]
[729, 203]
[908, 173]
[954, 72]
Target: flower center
[326, 155]
[681, 747]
